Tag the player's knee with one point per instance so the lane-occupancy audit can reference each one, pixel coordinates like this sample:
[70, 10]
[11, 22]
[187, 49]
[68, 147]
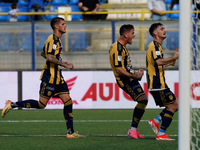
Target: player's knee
[41, 105]
[143, 101]
[142, 104]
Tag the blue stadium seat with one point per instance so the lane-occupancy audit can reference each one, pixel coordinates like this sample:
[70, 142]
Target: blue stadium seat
[42, 37]
[47, 3]
[4, 9]
[172, 40]
[22, 3]
[176, 8]
[22, 17]
[26, 43]
[73, 2]
[5, 4]
[77, 41]
[101, 2]
[149, 40]
[59, 2]
[4, 38]
[52, 9]
[167, 9]
[175, 15]
[168, 1]
[74, 8]
[193, 8]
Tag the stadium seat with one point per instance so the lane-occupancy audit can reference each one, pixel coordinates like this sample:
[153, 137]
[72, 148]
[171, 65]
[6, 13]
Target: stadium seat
[73, 2]
[167, 9]
[168, 1]
[59, 2]
[193, 8]
[47, 3]
[176, 8]
[149, 40]
[41, 37]
[5, 4]
[101, 2]
[175, 15]
[22, 17]
[52, 9]
[26, 43]
[74, 8]
[4, 38]
[77, 41]
[22, 3]
[4, 9]
[172, 40]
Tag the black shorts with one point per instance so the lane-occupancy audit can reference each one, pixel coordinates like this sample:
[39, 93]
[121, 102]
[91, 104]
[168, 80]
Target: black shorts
[48, 90]
[163, 97]
[133, 88]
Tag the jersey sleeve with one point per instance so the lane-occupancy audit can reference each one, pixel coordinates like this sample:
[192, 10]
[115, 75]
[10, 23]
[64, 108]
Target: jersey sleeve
[117, 59]
[156, 54]
[52, 46]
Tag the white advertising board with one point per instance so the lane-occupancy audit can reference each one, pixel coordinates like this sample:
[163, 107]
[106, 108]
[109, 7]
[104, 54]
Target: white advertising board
[9, 87]
[90, 89]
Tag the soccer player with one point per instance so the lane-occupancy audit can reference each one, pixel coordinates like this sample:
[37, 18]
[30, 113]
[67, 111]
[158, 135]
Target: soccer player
[163, 96]
[52, 81]
[125, 76]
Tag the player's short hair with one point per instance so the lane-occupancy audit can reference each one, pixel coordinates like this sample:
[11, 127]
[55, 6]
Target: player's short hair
[54, 21]
[13, 5]
[153, 27]
[124, 28]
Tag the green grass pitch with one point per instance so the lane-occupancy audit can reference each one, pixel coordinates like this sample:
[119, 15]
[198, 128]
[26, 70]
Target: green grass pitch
[105, 130]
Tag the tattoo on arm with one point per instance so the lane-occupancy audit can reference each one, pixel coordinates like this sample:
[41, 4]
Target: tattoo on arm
[54, 60]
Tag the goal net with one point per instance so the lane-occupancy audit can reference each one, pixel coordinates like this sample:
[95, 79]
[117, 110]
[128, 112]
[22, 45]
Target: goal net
[195, 78]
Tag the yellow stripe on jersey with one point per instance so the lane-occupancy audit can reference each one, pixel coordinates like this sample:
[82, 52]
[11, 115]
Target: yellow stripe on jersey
[52, 72]
[58, 77]
[155, 74]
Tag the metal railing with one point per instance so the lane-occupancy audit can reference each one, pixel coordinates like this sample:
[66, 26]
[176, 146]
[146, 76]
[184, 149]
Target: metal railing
[66, 13]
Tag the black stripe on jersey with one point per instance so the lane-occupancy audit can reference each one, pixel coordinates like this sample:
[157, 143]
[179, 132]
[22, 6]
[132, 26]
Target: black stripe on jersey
[157, 50]
[119, 49]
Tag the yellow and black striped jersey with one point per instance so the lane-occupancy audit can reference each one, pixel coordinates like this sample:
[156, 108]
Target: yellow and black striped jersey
[119, 57]
[155, 74]
[51, 72]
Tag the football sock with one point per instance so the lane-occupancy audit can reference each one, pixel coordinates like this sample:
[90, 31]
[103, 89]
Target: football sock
[161, 132]
[67, 111]
[158, 118]
[167, 119]
[138, 112]
[133, 128]
[28, 104]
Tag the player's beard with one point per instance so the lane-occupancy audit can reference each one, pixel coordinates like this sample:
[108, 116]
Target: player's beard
[62, 31]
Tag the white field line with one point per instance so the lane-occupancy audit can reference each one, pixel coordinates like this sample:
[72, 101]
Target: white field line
[94, 135]
[33, 121]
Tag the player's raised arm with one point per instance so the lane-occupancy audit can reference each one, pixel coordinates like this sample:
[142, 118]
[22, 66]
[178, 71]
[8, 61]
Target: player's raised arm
[168, 61]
